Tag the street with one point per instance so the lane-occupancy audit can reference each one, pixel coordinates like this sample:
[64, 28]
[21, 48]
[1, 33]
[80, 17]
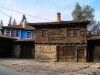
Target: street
[5, 71]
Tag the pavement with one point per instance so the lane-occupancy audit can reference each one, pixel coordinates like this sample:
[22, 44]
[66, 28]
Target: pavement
[6, 71]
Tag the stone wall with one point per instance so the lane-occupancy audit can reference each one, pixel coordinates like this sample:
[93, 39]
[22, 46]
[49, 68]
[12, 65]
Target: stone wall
[45, 52]
[16, 51]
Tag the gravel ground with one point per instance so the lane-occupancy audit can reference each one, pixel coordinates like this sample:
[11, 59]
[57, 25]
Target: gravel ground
[51, 68]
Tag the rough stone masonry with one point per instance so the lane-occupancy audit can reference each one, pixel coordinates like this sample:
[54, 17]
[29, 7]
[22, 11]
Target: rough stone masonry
[45, 52]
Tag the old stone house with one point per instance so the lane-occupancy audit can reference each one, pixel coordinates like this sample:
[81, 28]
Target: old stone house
[61, 40]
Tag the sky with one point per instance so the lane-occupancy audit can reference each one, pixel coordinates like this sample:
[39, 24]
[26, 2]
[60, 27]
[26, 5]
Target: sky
[43, 10]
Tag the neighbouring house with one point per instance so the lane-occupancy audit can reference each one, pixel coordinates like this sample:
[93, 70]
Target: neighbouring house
[61, 40]
[93, 49]
[17, 41]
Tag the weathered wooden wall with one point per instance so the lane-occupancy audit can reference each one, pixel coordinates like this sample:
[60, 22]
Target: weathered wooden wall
[93, 50]
[27, 50]
[72, 53]
[59, 35]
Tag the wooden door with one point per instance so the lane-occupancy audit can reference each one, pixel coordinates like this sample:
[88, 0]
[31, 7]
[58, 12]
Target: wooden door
[96, 55]
[80, 55]
[26, 51]
[66, 53]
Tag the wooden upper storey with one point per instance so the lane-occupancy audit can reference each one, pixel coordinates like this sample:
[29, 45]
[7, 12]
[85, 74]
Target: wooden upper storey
[61, 32]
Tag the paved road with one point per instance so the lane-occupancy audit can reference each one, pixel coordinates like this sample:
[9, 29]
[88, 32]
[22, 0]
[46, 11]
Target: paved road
[6, 71]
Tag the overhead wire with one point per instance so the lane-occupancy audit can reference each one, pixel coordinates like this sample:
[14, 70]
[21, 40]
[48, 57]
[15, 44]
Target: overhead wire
[8, 16]
[25, 14]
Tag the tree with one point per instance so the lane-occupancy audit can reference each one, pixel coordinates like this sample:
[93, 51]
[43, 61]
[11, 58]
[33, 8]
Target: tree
[24, 21]
[77, 12]
[86, 12]
[94, 29]
[1, 24]
[23, 17]
[10, 21]
[14, 22]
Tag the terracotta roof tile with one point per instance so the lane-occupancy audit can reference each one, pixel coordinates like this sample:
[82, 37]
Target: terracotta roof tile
[94, 38]
[19, 27]
[26, 40]
[61, 22]
[7, 37]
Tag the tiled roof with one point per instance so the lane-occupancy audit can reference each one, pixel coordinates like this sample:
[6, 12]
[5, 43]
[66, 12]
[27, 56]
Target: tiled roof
[19, 27]
[25, 40]
[7, 37]
[94, 38]
[13, 38]
[61, 22]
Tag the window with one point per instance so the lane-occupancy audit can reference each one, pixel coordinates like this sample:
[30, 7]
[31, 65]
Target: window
[73, 32]
[44, 33]
[70, 33]
[17, 33]
[28, 34]
[76, 32]
[12, 32]
[33, 34]
[8, 32]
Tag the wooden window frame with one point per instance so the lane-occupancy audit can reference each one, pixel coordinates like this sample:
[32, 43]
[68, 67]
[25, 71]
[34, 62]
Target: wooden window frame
[17, 33]
[28, 34]
[33, 36]
[76, 34]
[44, 33]
[8, 32]
[73, 33]
[12, 32]
[69, 33]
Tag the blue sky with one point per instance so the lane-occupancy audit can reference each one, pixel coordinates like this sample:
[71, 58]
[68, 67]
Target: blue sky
[46, 9]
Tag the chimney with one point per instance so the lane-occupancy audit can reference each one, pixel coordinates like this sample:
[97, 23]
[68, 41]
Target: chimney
[58, 17]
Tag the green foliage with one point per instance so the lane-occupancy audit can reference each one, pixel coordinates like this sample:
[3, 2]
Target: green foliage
[14, 22]
[23, 17]
[84, 12]
[10, 21]
[1, 24]
[87, 12]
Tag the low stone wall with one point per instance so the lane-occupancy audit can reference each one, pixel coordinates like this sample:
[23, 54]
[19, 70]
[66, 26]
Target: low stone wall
[16, 51]
[45, 52]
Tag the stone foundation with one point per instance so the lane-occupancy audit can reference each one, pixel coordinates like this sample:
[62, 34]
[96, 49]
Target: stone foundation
[45, 52]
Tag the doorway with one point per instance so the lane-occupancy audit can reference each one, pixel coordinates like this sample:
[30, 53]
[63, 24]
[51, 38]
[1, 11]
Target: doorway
[80, 55]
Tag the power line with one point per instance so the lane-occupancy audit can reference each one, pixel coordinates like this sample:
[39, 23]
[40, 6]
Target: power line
[25, 14]
[4, 13]
[7, 15]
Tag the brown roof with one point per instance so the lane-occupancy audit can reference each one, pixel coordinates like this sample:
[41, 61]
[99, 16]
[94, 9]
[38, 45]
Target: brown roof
[7, 37]
[26, 40]
[19, 27]
[61, 22]
[94, 38]
[13, 38]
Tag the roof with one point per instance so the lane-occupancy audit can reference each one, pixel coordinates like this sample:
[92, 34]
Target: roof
[16, 40]
[19, 27]
[61, 22]
[8, 37]
[26, 40]
[94, 38]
